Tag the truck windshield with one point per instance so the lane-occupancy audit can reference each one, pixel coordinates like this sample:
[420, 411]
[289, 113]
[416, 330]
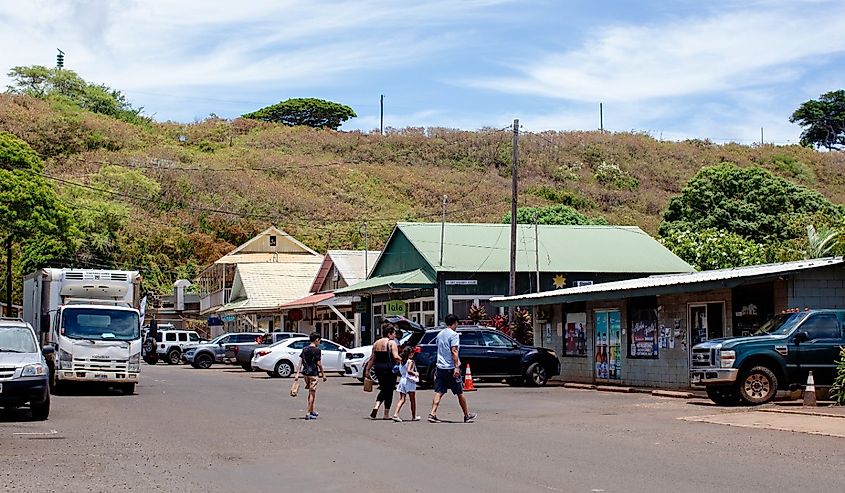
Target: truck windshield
[17, 340]
[100, 324]
[781, 324]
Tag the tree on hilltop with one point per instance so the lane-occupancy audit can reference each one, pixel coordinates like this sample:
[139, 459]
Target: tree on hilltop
[311, 112]
[823, 120]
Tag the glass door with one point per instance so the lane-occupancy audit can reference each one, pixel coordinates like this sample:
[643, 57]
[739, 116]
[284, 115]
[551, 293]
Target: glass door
[608, 344]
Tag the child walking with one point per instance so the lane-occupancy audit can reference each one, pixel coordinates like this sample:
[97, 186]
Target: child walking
[408, 378]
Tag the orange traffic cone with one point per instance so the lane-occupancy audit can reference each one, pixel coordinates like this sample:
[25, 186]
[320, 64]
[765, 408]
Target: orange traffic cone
[810, 392]
[468, 386]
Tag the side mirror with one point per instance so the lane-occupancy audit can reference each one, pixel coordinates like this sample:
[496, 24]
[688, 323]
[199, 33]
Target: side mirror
[48, 350]
[801, 336]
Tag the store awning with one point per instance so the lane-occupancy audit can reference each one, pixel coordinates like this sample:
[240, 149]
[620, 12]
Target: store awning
[406, 281]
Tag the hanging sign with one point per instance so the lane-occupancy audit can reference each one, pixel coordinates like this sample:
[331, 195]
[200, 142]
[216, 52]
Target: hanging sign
[395, 307]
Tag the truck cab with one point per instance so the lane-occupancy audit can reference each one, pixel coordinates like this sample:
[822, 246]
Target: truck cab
[779, 356]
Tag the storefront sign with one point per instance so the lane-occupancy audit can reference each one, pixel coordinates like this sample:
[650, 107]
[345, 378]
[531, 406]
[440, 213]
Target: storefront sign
[644, 336]
[575, 341]
[360, 308]
[229, 318]
[461, 282]
[395, 307]
[214, 321]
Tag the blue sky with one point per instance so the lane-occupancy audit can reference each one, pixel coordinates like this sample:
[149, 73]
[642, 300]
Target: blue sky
[682, 69]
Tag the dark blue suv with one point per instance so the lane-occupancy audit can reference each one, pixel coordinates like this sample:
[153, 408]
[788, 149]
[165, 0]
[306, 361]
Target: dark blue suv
[492, 356]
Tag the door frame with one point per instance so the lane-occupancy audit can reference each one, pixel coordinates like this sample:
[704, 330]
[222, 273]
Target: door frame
[700, 304]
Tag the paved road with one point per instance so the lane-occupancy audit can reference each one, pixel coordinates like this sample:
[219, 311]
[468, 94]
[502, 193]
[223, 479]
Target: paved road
[225, 430]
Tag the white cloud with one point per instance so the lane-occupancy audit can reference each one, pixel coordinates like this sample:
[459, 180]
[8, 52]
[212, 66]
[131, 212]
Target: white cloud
[722, 52]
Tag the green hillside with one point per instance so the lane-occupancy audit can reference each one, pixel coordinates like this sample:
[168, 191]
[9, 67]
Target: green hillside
[169, 198]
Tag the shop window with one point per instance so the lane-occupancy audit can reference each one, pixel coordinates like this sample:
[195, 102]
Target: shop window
[706, 322]
[428, 306]
[377, 309]
[642, 328]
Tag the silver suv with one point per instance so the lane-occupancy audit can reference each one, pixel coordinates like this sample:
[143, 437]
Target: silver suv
[24, 374]
[171, 343]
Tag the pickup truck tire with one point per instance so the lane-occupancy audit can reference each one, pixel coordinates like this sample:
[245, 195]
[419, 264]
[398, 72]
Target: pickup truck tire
[758, 385]
[536, 375]
[128, 388]
[723, 395]
[203, 361]
[283, 369]
[41, 410]
[174, 356]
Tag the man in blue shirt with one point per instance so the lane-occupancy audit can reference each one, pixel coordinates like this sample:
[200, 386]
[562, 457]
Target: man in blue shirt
[448, 373]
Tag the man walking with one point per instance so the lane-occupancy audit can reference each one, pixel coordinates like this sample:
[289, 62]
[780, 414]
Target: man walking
[310, 365]
[448, 374]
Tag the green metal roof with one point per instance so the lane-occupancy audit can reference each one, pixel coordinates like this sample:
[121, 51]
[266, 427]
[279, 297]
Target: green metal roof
[415, 279]
[486, 248]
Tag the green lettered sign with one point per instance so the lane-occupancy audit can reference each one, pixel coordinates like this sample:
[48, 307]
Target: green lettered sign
[395, 307]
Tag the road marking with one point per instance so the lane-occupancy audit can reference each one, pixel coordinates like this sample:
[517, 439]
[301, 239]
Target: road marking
[51, 432]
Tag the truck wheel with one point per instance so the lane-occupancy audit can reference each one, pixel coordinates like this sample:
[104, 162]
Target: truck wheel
[758, 385]
[536, 375]
[174, 356]
[150, 360]
[203, 361]
[283, 369]
[128, 388]
[41, 411]
[723, 395]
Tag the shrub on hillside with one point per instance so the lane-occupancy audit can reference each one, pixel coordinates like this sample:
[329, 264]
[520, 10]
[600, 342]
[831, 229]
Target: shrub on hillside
[555, 214]
[612, 175]
[713, 249]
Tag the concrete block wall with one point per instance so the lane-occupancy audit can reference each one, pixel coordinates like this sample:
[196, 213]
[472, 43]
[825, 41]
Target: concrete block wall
[817, 288]
[671, 368]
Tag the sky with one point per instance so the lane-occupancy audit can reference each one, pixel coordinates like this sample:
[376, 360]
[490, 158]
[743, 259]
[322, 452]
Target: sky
[720, 70]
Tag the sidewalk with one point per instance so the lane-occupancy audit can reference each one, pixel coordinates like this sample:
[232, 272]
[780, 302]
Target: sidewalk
[825, 421]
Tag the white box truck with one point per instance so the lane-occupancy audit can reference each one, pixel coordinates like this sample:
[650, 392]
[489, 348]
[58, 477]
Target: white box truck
[91, 318]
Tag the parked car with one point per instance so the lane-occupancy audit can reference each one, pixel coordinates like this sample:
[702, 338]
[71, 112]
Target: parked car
[171, 342]
[281, 359]
[206, 354]
[491, 355]
[240, 353]
[779, 355]
[24, 375]
[356, 358]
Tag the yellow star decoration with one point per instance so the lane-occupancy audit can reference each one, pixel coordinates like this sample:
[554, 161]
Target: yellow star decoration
[559, 281]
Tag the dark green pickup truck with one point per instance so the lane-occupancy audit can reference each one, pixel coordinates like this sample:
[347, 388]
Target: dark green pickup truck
[779, 356]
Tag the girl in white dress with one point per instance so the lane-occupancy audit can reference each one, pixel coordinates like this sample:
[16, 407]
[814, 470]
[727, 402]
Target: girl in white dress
[408, 378]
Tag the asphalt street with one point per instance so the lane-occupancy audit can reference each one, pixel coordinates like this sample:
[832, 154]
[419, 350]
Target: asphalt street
[223, 429]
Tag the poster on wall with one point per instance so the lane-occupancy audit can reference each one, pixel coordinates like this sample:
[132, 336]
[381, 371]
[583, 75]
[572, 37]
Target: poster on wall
[608, 345]
[575, 341]
[644, 335]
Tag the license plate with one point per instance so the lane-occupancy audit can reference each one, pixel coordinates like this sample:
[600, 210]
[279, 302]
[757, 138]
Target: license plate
[101, 376]
[696, 378]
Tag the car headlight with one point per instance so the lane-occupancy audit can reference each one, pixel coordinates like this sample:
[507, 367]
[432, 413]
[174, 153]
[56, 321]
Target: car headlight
[65, 360]
[34, 370]
[135, 362]
[727, 358]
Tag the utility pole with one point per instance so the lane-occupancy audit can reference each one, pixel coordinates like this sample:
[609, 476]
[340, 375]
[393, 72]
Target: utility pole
[366, 249]
[512, 284]
[381, 118]
[9, 276]
[761, 136]
[537, 249]
[601, 117]
[443, 228]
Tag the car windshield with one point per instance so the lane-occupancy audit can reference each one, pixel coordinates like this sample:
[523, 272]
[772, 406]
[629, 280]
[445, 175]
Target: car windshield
[17, 340]
[781, 324]
[100, 324]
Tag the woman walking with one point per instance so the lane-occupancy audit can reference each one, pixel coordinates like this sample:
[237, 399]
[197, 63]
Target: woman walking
[408, 378]
[384, 357]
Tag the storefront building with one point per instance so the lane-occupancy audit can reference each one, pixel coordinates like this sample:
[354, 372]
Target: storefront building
[640, 331]
[427, 270]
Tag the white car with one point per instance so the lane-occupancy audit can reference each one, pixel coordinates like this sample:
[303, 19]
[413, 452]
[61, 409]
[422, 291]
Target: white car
[356, 359]
[282, 359]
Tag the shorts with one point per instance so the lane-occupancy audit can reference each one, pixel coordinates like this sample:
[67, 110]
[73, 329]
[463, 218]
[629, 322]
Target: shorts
[311, 382]
[444, 381]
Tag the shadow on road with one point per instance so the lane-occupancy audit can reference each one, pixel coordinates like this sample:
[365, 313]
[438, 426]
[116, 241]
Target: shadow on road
[88, 390]
[14, 415]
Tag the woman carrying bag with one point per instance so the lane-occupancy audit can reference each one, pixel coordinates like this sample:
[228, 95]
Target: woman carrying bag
[384, 358]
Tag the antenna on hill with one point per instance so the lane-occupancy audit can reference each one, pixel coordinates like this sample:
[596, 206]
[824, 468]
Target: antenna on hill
[381, 118]
[60, 59]
[601, 117]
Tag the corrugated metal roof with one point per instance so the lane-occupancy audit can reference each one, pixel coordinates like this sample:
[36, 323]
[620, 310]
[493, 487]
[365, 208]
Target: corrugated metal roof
[415, 279]
[265, 286]
[609, 290]
[349, 263]
[486, 248]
